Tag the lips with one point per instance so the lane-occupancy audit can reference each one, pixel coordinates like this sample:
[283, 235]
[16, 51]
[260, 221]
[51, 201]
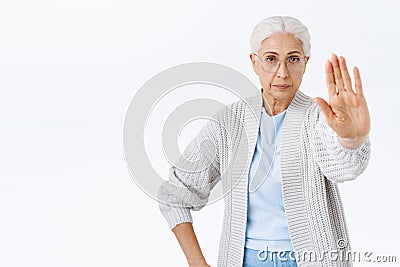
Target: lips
[281, 86]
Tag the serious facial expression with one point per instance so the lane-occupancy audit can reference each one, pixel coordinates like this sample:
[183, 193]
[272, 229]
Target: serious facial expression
[283, 83]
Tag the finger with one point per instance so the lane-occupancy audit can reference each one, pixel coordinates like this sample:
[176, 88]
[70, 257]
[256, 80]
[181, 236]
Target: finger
[346, 76]
[330, 80]
[337, 73]
[326, 109]
[358, 84]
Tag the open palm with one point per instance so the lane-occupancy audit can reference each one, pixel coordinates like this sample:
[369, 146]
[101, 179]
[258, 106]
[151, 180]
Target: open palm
[347, 112]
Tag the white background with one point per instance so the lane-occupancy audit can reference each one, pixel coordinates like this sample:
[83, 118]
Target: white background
[68, 71]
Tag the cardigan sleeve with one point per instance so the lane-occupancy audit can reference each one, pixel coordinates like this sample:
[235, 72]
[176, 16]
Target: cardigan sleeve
[337, 163]
[192, 177]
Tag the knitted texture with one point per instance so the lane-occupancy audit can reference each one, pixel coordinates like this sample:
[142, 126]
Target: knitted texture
[313, 162]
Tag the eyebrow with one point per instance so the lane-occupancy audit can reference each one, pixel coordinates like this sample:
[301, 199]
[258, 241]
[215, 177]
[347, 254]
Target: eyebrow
[272, 52]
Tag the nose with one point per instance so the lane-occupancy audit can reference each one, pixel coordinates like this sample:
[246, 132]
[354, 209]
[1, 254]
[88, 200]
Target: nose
[282, 71]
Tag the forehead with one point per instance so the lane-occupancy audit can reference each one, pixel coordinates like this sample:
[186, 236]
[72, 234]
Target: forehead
[281, 43]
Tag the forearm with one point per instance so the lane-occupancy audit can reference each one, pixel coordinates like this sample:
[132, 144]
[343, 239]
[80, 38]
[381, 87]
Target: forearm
[187, 239]
[339, 159]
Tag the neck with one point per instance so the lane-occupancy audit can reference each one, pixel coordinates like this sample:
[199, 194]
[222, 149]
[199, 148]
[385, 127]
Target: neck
[274, 105]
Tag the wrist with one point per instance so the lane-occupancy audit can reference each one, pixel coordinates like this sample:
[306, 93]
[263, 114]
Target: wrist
[352, 143]
[198, 263]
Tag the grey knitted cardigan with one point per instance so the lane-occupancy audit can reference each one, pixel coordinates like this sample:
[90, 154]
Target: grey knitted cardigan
[312, 163]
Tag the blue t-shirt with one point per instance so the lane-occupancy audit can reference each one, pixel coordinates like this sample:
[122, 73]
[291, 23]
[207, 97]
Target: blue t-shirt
[266, 217]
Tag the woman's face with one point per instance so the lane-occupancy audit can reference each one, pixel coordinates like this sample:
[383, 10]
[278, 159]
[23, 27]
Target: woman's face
[283, 83]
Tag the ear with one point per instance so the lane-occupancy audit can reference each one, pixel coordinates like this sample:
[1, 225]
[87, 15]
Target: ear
[305, 64]
[253, 60]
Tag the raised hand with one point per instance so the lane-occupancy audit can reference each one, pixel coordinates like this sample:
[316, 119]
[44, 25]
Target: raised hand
[347, 112]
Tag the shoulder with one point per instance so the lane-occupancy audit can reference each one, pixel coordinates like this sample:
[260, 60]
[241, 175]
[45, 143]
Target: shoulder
[238, 109]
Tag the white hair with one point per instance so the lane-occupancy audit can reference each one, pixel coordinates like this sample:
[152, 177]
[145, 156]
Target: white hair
[280, 24]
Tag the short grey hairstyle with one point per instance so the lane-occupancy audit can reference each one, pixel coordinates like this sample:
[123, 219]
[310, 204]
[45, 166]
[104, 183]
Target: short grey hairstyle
[280, 24]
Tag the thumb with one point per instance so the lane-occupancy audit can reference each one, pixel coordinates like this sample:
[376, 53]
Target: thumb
[326, 109]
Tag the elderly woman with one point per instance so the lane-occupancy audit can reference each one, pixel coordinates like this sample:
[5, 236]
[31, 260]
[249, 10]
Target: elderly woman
[280, 171]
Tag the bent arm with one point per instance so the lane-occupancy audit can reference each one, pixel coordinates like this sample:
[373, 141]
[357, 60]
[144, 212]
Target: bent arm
[190, 181]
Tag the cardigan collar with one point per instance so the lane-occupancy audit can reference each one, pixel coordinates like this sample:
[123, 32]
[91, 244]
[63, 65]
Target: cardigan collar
[299, 101]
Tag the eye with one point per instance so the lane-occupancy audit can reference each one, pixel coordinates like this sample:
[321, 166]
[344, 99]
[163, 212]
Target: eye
[270, 59]
[294, 60]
